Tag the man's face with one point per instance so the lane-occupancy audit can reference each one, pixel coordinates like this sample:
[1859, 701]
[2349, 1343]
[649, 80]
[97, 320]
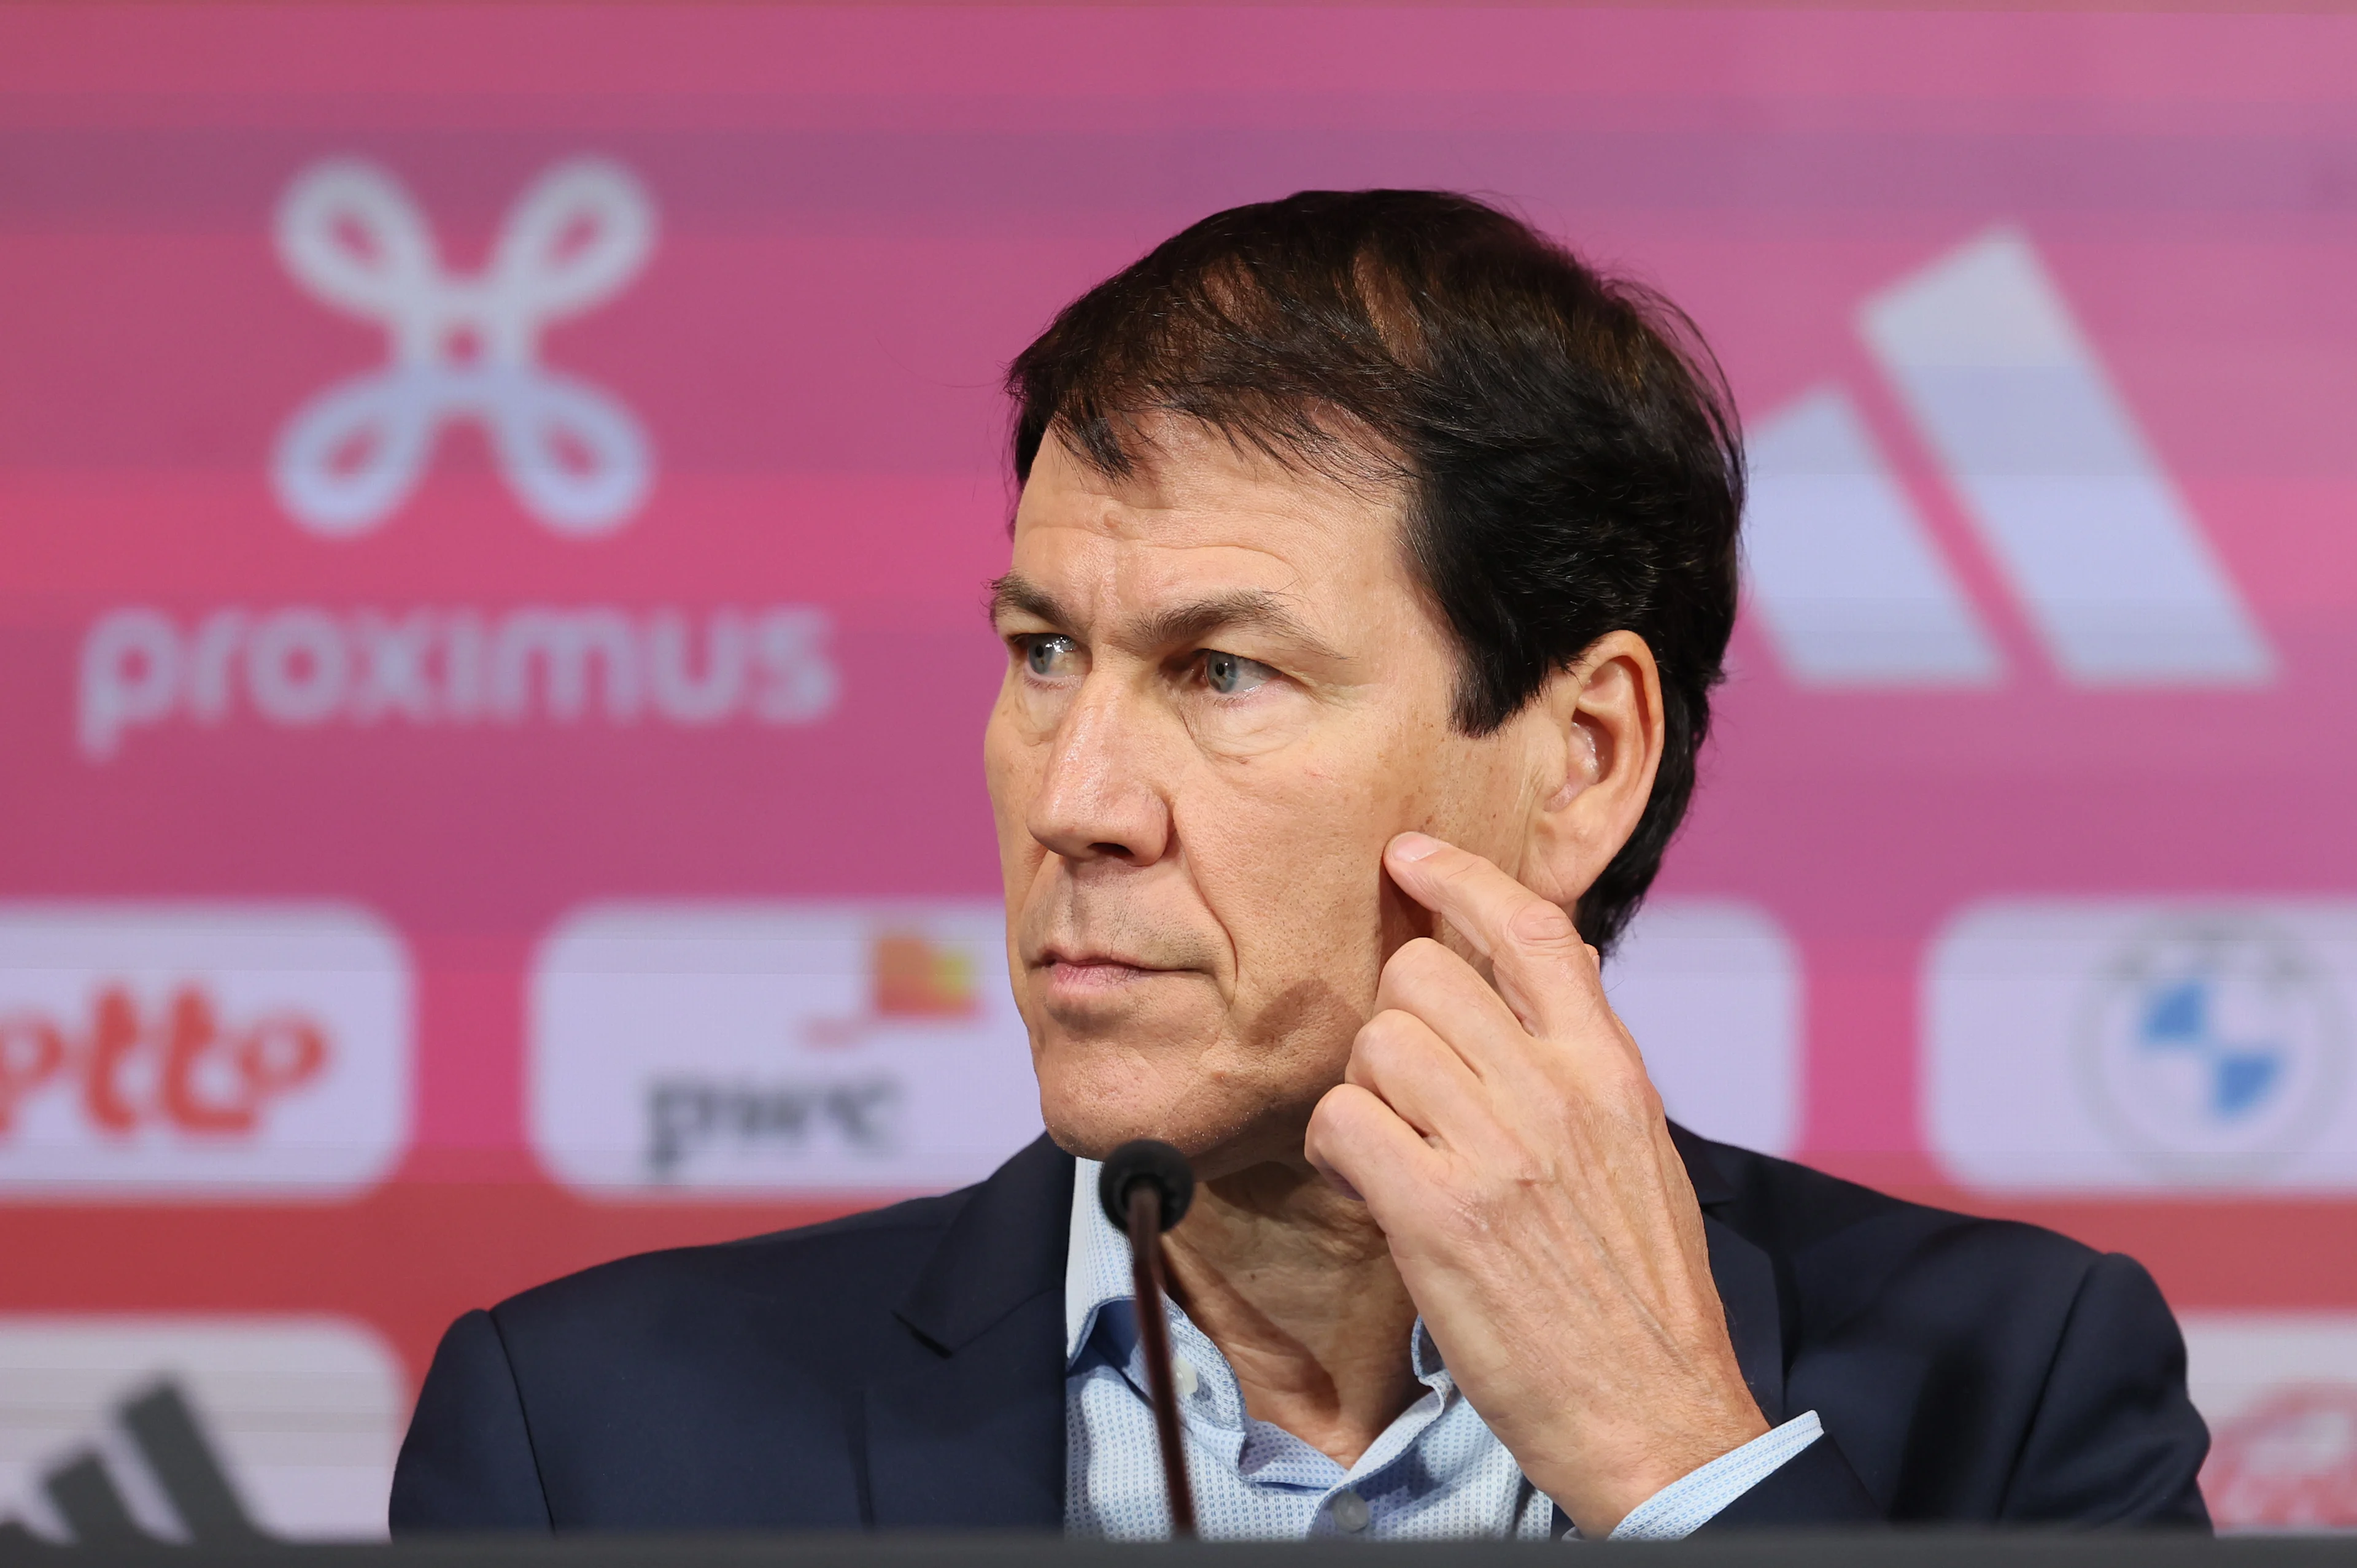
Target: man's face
[1225, 693]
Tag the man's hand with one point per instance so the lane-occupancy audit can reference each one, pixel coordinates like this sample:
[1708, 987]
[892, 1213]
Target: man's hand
[1506, 1138]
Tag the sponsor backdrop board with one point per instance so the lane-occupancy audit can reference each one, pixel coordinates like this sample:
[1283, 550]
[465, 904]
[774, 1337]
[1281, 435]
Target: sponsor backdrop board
[493, 508]
[196, 1427]
[2279, 1390]
[782, 1049]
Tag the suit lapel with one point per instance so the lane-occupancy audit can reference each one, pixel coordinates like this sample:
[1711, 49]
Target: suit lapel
[1745, 1277]
[973, 1435]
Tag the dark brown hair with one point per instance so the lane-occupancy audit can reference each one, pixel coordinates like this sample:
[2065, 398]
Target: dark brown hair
[1567, 444]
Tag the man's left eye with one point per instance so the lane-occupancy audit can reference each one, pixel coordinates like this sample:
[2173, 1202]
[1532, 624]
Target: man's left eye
[1230, 673]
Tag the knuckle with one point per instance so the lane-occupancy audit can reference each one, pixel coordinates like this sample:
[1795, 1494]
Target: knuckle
[1543, 926]
[1335, 1115]
[1649, 1102]
[1385, 1039]
[1467, 1208]
[1489, 1204]
[1415, 962]
[1612, 1074]
[1624, 1096]
[1418, 953]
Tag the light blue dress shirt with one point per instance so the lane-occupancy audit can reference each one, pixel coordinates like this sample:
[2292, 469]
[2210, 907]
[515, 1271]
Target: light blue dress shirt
[1437, 1473]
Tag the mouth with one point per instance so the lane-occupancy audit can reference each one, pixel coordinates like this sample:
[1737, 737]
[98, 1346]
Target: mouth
[1090, 974]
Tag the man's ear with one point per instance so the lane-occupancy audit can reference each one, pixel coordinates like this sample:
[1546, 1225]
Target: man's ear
[1601, 746]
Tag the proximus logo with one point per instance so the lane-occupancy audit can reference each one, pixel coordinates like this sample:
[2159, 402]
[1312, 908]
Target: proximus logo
[464, 346]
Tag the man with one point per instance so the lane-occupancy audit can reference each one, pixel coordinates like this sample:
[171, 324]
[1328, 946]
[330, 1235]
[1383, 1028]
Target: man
[1373, 563]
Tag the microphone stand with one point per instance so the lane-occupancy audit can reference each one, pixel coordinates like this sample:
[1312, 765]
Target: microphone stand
[1145, 1188]
[1154, 1329]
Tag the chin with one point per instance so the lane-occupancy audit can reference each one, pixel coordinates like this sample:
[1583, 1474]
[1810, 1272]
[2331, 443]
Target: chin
[1090, 1119]
[1219, 1129]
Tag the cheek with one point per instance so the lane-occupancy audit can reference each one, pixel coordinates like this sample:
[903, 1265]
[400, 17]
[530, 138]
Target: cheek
[1294, 876]
[1462, 790]
[1010, 770]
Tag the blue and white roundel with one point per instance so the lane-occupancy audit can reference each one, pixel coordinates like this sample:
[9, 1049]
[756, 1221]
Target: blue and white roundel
[2212, 1047]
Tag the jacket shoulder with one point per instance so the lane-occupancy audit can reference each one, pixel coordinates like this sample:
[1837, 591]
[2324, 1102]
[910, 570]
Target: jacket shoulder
[848, 1269]
[1797, 1213]
[730, 1386]
[1970, 1368]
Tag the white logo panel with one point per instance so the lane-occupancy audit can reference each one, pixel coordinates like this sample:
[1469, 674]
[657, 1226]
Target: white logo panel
[2279, 1392]
[2091, 1045]
[215, 1431]
[201, 1049]
[1711, 989]
[785, 1047]
[464, 347]
[2096, 540]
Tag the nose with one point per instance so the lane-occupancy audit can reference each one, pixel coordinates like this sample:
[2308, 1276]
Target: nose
[1098, 798]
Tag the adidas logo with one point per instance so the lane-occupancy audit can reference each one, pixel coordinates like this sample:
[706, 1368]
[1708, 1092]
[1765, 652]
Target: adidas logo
[2111, 569]
[172, 1463]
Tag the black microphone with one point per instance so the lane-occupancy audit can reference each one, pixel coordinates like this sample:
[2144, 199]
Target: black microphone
[1145, 1187]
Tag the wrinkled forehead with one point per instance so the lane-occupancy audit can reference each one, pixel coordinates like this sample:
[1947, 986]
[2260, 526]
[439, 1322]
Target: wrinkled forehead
[1198, 510]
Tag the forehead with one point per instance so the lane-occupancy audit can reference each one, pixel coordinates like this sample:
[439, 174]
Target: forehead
[1197, 512]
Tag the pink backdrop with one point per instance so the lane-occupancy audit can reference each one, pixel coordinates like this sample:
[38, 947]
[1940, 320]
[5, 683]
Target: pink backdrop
[493, 508]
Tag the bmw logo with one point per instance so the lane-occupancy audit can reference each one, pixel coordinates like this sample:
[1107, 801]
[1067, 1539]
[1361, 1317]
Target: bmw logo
[2212, 1047]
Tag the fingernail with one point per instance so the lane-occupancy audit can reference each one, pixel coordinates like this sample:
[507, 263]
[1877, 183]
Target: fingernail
[1414, 846]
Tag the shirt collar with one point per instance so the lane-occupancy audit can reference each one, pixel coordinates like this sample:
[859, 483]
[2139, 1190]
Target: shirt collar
[1096, 1265]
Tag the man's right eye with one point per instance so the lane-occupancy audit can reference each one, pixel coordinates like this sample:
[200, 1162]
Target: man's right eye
[1049, 656]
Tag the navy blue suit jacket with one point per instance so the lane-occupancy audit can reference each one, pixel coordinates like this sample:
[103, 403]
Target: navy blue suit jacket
[906, 1367]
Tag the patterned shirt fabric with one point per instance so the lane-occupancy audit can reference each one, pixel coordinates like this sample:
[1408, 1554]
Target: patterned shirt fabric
[1687, 1504]
[1438, 1471]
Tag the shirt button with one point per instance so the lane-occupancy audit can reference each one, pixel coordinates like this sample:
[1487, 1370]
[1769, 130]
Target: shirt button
[1351, 1511]
[1182, 1373]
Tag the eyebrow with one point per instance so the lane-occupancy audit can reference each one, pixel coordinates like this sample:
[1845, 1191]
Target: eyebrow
[1019, 594]
[1252, 609]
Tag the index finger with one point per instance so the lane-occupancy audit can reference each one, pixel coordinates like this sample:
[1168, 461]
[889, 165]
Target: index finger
[1546, 974]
